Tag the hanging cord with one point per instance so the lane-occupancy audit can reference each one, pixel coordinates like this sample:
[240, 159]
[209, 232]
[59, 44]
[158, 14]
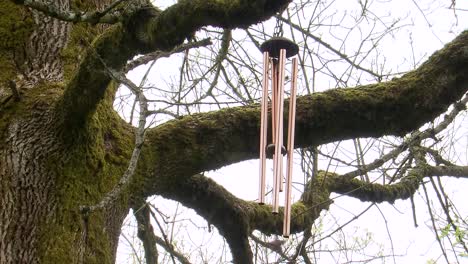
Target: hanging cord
[278, 31]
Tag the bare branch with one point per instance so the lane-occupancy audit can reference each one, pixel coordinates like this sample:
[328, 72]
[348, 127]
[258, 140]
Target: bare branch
[453, 171]
[274, 246]
[163, 54]
[169, 248]
[411, 140]
[134, 250]
[149, 29]
[328, 46]
[434, 225]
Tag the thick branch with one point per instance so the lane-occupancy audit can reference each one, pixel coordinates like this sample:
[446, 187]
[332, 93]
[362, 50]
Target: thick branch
[181, 20]
[147, 30]
[208, 141]
[197, 143]
[235, 218]
[54, 11]
[373, 192]
[88, 86]
[219, 208]
[454, 171]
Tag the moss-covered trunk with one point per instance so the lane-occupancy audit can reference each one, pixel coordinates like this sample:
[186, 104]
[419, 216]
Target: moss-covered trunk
[61, 144]
[46, 177]
[47, 170]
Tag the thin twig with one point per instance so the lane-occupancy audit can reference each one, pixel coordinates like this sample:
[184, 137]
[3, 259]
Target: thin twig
[433, 224]
[169, 245]
[274, 246]
[415, 137]
[345, 224]
[164, 54]
[328, 46]
[130, 243]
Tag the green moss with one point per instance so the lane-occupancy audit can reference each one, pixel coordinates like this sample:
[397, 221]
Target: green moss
[81, 37]
[261, 217]
[300, 216]
[86, 169]
[15, 27]
[374, 192]
[83, 180]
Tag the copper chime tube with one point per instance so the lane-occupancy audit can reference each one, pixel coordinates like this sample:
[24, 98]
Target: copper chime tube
[263, 127]
[278, 157]
[290, 148]
[279, 115]
[275, 114]
[274, 95]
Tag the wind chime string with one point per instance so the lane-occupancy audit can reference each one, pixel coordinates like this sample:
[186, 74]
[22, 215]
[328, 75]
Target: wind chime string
[278, 31]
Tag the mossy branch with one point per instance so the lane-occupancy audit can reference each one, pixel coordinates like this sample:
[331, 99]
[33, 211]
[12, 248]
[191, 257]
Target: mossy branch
[219, 207]
[180, 21]
[146, 30]
[374, 192]
[183, 147]
[94, 17]
[236, 218]
[404, 189]
[146, 233]
[87, 87]
[209, 141]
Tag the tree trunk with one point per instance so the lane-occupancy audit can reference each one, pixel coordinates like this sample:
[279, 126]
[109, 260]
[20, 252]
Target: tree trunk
[45, 179]
[48, 171]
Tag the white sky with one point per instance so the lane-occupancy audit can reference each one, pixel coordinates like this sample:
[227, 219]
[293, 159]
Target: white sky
[412, 245]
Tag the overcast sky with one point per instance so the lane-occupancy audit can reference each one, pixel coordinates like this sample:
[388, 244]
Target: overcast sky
[403, 49]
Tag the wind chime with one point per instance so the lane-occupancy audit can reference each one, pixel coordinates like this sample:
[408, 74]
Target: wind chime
[275, 53]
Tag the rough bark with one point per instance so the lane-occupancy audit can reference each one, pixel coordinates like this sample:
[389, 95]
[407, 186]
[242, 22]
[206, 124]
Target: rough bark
[62, 146]
[44, 177]
[26, 191]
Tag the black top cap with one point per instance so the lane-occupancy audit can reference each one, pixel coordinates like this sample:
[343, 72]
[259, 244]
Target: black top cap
[275, 44]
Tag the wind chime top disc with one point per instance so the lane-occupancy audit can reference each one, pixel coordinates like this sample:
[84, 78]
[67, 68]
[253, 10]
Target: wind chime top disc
[275, 44]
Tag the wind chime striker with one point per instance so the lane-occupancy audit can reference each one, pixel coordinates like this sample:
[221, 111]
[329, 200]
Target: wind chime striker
[275, 53]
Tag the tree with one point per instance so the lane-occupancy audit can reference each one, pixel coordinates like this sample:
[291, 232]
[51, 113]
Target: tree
[71, 168]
